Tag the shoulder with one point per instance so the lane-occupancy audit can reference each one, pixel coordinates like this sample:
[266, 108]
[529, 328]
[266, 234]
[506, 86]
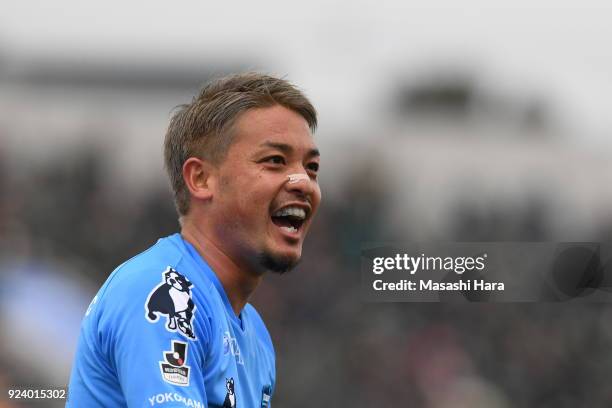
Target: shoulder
[154, 285]
[130, 283]
[146, 267]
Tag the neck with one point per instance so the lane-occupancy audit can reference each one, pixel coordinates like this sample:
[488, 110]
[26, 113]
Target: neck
[239, 282]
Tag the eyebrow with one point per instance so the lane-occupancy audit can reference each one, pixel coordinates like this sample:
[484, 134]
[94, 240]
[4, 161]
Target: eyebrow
[287, 149]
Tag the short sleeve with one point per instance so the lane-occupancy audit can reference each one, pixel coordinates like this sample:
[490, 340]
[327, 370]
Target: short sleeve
[156, 339]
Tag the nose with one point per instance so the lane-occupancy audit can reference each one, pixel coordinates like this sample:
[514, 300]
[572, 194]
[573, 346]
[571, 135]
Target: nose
[300, 183]
[296, 178]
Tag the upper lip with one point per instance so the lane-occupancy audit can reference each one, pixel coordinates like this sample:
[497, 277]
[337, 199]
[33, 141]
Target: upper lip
[299, 204]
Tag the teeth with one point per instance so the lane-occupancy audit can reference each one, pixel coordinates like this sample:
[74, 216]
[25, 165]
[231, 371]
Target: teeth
[293, 211]
[289, 229]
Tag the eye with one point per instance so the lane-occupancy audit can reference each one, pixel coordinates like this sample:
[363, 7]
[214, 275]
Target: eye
[276, 159]
[314, 167]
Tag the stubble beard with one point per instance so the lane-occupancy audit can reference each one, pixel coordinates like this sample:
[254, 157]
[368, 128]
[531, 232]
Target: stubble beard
[277, 263]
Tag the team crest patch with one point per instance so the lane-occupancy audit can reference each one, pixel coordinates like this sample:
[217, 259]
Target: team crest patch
[230, 395]
[172, 298]
[174, 369]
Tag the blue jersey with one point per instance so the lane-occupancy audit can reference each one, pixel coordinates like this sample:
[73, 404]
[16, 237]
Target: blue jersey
[162, 333]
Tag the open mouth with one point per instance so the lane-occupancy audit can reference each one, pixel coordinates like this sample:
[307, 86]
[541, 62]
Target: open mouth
[289, 219]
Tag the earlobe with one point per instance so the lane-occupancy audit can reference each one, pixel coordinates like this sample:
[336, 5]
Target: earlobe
[199, 178]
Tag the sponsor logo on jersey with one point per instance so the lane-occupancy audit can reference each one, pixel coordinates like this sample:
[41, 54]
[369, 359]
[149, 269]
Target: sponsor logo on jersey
[166, 397]
[230, 395]
[266, 395]
[230, 346]
[173, 368]
[172, 298]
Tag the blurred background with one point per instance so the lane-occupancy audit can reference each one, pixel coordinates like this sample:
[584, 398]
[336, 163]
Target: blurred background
[451, 121]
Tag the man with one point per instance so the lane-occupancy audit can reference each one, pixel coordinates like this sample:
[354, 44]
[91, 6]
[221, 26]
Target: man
[171, 327]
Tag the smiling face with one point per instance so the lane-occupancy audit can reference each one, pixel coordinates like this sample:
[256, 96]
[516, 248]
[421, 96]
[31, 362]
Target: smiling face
[267, 191]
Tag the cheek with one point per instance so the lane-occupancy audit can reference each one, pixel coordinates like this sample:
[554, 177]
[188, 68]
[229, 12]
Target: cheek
[252, 199]
[316, 197]
[248, 195]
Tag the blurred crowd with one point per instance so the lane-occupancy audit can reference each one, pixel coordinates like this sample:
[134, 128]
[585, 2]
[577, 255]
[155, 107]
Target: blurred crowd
[65, 228]
[439, 121]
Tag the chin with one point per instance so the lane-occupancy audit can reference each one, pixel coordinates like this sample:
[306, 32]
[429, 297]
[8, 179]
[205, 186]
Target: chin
[279, 262]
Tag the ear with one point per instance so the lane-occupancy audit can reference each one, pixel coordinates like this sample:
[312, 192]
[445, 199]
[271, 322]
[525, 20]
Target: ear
[199, 177]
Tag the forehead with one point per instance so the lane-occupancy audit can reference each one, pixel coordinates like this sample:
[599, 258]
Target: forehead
[275, 124]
